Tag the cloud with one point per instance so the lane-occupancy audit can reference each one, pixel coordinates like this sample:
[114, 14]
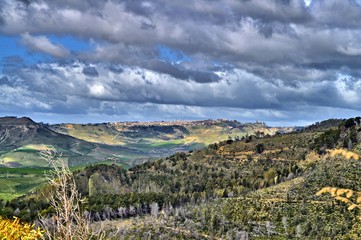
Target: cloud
[90, 71]
[235, 88]
[4, 81]
[2, 21]
[43, 45]
[267, 58]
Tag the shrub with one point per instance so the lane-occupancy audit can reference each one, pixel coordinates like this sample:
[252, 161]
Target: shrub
[14, 229]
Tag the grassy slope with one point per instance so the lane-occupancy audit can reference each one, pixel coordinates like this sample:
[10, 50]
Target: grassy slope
[21, 170]
[19, 181]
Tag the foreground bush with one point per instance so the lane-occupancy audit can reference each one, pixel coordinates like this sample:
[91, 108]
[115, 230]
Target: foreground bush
[14, 229]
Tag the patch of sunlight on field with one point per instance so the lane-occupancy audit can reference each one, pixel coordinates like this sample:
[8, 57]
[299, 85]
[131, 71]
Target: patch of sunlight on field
[211, 135]
[167, 143]
[95, 136]
[24, 158]
[191, 139]
[14, 185]
[7, 159]
[69, 126]
[37, 147]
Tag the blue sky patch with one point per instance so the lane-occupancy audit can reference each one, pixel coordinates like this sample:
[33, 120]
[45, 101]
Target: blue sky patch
[171, 55]
[71, 43]
[11, 47]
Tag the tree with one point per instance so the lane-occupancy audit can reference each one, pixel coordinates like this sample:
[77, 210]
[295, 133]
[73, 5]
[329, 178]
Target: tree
[68, 221]
[259, 148]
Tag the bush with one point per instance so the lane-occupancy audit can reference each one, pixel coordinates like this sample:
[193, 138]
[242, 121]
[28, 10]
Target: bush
[16, 230]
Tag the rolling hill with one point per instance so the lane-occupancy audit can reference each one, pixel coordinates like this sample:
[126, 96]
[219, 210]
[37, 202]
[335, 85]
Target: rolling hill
[160, 139]
[21, 140]
[126, 144]
[250, 188]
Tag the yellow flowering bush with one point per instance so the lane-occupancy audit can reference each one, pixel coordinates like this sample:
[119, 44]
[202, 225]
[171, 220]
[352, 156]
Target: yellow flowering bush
[14, 230]
[345, 153]
[348, 196]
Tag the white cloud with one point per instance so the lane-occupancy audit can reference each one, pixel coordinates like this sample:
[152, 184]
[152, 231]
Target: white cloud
[42, 44]
[237, 88]
[273, 57]
[97, 90]
[308, 2]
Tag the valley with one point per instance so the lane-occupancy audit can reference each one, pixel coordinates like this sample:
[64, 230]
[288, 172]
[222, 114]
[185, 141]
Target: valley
[122, 143]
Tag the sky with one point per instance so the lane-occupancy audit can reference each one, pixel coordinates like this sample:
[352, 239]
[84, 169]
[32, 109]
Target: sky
[284, 62]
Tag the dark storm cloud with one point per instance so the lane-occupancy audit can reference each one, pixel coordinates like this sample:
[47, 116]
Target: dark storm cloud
[272, 57]
[26, 2]
[167, 68]
[90, 71]
[4, 81]
[203, 76]
[351, 62]
[2, 21]
[181, 73]
[139, 7]
[115, 69]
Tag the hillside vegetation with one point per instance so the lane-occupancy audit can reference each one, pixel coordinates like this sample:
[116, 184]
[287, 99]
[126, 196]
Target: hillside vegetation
[250, 188]
[126, 144]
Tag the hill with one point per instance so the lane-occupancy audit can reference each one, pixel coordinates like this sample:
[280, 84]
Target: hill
[130, 143]
[160, 139]
[250, 188]
[21, 165]
[258, 188]
[127, 144]
[21, 140]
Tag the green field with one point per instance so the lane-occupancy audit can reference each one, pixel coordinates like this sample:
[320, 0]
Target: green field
[19, 181]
